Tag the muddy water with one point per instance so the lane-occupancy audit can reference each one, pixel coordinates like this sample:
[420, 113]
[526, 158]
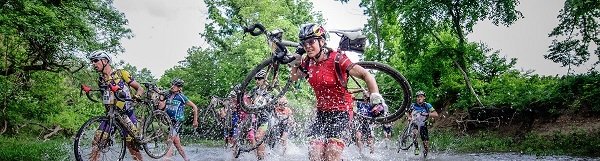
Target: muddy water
[299, 152]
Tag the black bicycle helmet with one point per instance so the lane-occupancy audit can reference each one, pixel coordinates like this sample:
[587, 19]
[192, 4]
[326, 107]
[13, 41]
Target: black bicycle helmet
[312, 30]
[178, 82]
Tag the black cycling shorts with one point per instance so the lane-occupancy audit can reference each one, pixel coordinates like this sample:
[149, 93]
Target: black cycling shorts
[329, 124]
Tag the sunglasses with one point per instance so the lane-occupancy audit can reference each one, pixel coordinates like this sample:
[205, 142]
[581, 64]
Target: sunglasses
[95, 60]
[310, 41]
[281, 104]
[259, 78]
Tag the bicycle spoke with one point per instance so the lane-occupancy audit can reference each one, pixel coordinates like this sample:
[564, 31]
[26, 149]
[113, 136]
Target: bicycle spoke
[95, 143]
[156, 134]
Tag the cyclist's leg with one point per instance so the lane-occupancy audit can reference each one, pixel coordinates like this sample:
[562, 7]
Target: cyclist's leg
[284, 136]
[387, 130]
[337, 122]
[370, 136]
[361, 133]
[100, 137]
[173, 133]
[129, 141]
[260, 133]
[415, 130]
[425, 137]
[317, 144]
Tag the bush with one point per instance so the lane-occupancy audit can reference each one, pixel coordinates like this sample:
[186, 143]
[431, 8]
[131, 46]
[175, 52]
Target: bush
[33, 149]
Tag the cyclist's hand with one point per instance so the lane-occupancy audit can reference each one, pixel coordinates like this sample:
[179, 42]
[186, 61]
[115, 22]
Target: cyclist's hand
[297, 62]
[377, 99]
[195, 124]
[137, 97]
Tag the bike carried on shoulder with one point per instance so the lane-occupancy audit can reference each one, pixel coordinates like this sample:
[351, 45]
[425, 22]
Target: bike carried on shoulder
[104, 137]
[392, 85]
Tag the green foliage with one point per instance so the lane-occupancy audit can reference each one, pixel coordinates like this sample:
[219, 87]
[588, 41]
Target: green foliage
[31, 149]
[577, 33]
[142, 75]
[584, 143]
[39, 35]
[483, 142]
[574, 143]
[216, 69]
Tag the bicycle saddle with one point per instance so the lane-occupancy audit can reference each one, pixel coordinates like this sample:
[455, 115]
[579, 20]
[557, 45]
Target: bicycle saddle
[351, 34]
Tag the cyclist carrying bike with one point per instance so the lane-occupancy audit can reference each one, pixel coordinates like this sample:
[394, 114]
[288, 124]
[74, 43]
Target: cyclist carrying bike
[419, 112]
[121, 78]
[334, 102]
[364, 127]
[259, 95]
[284, 114]
[173, 105]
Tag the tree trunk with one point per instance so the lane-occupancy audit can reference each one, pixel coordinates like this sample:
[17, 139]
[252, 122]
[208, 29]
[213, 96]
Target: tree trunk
[53, 131]
[468, 82]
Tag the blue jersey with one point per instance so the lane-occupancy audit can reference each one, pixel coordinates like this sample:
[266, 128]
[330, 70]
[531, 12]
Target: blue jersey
[422, 108]
[366, 109]
[174, 106]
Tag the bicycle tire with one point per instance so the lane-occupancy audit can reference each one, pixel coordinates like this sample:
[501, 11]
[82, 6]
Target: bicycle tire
[156, 134]
[396, 91]
[141, 111]
[275, 75]
[210, 126]
[406, 140]
[247, 126]
[88, 132]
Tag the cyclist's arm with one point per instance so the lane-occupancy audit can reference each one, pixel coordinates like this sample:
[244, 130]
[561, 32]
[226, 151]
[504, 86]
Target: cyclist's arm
[297, 74]
[360, 72]
[195, 108]
[139, 90]
[433, 114]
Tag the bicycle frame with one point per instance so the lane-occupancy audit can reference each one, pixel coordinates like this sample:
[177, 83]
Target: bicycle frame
[111, 108]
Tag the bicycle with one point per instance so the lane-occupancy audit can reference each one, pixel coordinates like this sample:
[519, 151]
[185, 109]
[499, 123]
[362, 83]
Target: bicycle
[410, 136]
[245, 139]
[213, 124]
[95, 139]
[396, 90]
[149, 101]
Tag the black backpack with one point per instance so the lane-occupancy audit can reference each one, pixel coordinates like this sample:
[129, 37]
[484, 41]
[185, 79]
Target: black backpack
[358, 44]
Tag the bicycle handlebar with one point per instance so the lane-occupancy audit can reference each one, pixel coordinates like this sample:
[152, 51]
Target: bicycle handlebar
[282, 55]
[87, 89]
[250, 29]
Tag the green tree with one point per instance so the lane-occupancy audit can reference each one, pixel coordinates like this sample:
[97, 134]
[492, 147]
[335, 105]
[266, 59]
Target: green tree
[577, 33]
[423, 23]
[42, 44]
[142, 75]
[232, 53]
[49, 36]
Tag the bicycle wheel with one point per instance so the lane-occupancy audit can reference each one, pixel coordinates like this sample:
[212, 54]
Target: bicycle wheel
[210, 126]
[141, 111]
[246, 138]
[96, 140]
[251, 98]
[156, 138]
[406, 140]
[394, 88]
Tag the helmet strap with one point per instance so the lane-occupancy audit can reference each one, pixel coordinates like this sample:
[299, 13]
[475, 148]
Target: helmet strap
[321, 51]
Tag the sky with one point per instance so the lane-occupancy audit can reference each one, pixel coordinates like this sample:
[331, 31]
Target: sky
[165, 29]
